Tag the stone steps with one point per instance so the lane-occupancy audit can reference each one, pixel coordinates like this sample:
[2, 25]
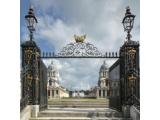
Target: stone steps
[80, 110]
[83, 103]
[78, 106]
[79, 118]
[77, 101]
[79, 113]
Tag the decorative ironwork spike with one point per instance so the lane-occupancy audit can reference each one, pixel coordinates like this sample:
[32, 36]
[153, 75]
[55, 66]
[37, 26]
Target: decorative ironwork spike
[80, 49]
[109, 54]
[49, 54]
[46, 54]
[112, 54]
[106, 54]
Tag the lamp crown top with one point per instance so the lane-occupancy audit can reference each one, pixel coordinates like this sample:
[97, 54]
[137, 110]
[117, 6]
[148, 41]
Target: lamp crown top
[128, 10]
[31, 14]
[31, 11]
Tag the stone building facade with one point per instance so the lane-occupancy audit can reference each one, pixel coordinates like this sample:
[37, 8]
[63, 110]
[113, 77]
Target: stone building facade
[55, 90]
[103, 86]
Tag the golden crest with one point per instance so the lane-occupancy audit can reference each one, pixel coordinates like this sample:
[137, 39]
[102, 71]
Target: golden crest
[79, 38]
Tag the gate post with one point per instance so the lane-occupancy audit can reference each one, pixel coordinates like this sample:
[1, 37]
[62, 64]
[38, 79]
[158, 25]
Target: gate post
[129, 73]
[129, 64]
[34, 85]
[31, 58]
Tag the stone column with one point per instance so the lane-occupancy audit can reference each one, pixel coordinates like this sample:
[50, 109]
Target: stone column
[34, 111]
[102, 93]
[55, 94]
[59, 93]
[97, 95]
[50, 93]
[106, 93]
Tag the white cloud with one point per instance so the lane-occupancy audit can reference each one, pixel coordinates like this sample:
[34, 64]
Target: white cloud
[100, 20]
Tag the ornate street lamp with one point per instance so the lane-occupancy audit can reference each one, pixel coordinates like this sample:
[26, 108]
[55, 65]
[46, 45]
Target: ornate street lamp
[31, 21]
[128, 22]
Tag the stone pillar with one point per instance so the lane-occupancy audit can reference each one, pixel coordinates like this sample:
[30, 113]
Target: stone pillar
[55, 94]
[106, 93]
[126, 111]
[50, 93]
[34, 111]
[97, 93]
[101, 93]
[59, 93]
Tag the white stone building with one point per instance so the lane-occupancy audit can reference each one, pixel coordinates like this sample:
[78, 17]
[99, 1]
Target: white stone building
[103, 82]
[54, 89]
[78, 94]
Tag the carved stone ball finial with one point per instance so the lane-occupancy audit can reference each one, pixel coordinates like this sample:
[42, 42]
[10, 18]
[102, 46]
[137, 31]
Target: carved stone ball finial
[79, 38]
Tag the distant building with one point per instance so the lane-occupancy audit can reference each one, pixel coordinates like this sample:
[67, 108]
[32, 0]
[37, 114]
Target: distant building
[103, 86]
[78, 94]
[92, 93]
[54, 88]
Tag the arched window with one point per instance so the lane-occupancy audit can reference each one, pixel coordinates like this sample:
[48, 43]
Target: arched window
[50, 82]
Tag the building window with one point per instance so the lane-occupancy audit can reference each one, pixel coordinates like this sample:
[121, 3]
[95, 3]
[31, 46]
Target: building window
[103, 93]
[57, 92]
[99, 93]
[48, 92]
[50, 82]
[53, 93]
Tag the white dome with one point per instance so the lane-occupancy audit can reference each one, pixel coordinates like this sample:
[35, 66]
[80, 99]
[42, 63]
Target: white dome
[52, 67]
[104, 67]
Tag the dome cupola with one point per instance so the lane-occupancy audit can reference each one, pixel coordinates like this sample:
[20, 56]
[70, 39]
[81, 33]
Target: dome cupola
[52, 67]
[104, 67]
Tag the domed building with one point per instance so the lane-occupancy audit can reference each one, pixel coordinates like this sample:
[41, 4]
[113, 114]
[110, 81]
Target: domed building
[55, 90]
[53, 75]
[103, 82]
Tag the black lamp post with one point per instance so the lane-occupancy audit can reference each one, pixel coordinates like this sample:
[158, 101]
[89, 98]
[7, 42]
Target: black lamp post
[31, 21]
[128, 22]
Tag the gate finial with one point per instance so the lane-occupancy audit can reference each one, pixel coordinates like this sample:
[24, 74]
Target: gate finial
[80, 38]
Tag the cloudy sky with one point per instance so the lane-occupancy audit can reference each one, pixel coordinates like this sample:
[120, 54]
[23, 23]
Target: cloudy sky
[59, 20]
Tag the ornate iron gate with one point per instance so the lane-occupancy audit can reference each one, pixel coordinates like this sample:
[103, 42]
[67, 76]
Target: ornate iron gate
[34, 86]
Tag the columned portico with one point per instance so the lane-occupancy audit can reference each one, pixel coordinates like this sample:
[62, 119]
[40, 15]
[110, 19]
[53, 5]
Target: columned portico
[103, 81]
[106, 93]
[102, 93]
